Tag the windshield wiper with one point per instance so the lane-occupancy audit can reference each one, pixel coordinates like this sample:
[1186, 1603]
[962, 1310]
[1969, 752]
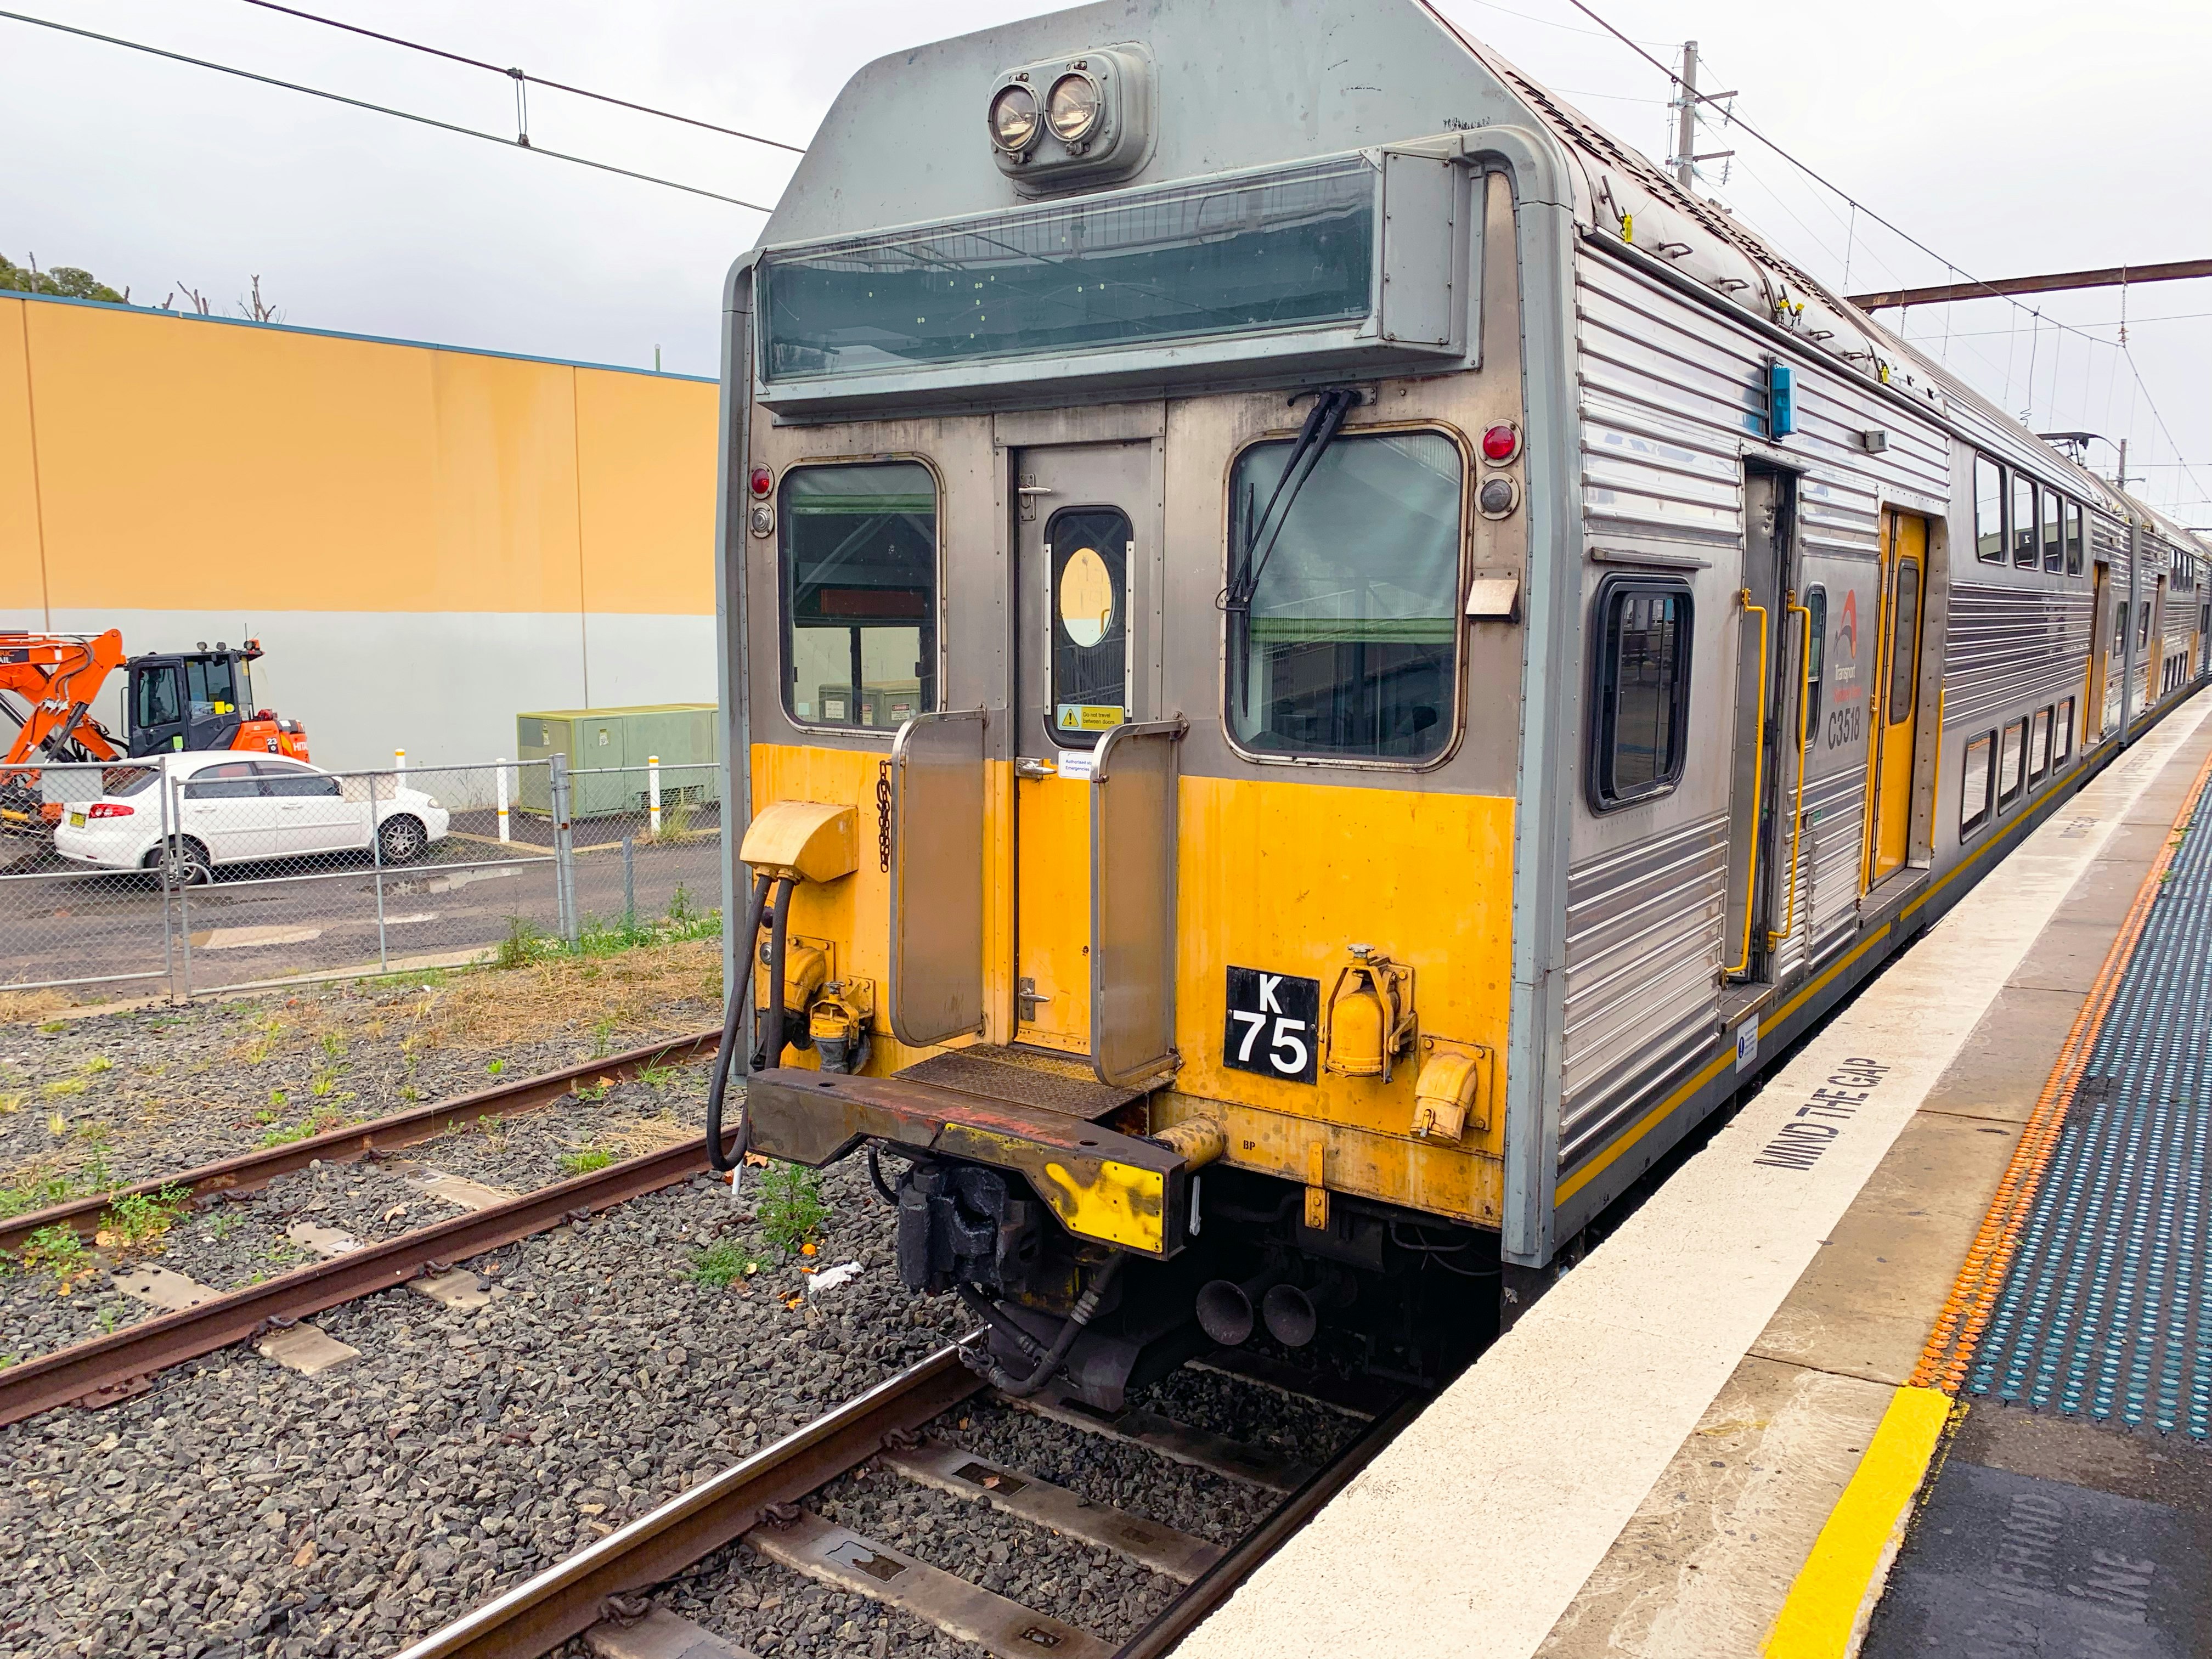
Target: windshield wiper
[1323, 421]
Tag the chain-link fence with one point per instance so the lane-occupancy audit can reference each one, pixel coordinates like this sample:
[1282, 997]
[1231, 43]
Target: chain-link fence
[217, 871]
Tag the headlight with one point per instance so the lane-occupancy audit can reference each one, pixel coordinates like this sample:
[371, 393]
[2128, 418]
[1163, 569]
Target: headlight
[1014, 119]
[1072, 108]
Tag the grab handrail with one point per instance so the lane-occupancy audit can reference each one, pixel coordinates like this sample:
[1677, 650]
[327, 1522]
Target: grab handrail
[1758, 785]
[1798, 823]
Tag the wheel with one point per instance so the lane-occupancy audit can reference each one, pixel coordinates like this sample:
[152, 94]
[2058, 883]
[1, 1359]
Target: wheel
[183, 863]
[403, 839]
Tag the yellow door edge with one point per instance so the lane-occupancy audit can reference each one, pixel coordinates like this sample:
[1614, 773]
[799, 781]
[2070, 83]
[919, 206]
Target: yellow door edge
[1834, 1592]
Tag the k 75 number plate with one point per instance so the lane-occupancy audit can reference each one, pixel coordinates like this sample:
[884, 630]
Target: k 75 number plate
[1273, 1025]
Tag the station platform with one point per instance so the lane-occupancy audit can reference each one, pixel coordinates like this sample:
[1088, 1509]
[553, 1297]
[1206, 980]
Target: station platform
[1937, 1382]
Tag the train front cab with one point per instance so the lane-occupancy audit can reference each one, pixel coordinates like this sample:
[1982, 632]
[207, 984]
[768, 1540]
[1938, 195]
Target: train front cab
[1159, 756]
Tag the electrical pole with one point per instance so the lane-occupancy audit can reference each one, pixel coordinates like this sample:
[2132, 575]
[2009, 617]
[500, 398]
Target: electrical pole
[1686, 125]
[2122, 481]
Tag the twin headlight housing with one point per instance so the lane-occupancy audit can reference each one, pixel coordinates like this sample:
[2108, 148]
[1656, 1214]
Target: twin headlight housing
[1073, 120]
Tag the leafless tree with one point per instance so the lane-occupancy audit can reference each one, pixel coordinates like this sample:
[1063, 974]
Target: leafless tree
[255, 309]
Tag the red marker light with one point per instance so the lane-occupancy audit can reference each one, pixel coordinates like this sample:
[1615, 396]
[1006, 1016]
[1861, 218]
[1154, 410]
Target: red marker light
[1501, 444]
[762, 481]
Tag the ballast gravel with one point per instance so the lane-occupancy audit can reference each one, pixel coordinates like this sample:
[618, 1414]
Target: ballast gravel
[240, 1507]
[243, 1238]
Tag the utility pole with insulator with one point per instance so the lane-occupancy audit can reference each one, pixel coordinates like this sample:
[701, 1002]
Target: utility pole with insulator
[1685, 124]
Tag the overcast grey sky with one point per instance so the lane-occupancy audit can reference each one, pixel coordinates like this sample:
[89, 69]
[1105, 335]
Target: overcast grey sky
[2011, 138]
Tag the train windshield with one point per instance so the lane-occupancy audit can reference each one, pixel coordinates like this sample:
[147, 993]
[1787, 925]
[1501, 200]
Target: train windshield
[1294, 248]
[1349, 648]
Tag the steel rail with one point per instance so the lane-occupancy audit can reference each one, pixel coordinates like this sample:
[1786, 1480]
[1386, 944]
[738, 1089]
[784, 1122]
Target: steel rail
[1222, 1580]
[104, 1369]
[570, 1597]
[251, 1169]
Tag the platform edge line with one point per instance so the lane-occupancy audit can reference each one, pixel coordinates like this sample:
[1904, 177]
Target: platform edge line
[1822, 1613]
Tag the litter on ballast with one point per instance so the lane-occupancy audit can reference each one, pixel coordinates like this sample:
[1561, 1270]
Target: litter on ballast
[831, 1278]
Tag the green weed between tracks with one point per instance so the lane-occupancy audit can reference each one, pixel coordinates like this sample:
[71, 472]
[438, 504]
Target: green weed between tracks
[721, 1264]
[790, 1208]
[584, 1160]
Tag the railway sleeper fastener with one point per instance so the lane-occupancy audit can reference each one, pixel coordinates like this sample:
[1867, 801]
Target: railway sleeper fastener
[780, 1516]
[625, 1610]
[112, 1394]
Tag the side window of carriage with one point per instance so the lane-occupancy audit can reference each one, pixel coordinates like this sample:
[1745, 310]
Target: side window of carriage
[1640, 640]
[858, 575]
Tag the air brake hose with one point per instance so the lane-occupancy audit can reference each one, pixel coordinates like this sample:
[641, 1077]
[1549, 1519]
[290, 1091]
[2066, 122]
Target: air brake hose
[771, 1048]
[1086, 1307]
[733, 1017]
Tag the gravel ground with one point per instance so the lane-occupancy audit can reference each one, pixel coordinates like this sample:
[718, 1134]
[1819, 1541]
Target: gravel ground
[243, 1239]
[109, 1098]
[241, 1509]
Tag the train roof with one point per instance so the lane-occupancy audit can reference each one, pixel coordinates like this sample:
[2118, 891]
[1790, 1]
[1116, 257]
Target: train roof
[1246, 84]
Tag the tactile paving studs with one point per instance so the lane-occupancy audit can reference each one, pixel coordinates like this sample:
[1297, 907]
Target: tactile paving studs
[2106, 1309]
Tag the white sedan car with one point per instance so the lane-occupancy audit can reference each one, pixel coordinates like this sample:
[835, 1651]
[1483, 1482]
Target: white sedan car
[233, 808]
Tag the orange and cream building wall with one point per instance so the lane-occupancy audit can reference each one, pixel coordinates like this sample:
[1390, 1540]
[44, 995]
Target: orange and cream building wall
[427, 541]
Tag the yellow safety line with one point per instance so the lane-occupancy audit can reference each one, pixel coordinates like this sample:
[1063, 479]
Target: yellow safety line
[1821, 1615]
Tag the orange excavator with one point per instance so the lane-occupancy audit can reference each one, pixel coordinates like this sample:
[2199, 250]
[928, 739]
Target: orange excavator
[190, 700]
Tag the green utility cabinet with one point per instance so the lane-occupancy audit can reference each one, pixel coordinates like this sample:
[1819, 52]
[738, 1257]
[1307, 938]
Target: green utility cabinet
[683, 734]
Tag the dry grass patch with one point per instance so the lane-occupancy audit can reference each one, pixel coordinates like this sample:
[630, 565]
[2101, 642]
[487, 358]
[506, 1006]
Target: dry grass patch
[28, 1007]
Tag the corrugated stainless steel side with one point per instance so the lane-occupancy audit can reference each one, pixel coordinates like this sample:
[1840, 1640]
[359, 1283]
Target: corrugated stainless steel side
[1643, 951]
[1831, 854]
[2009, 645]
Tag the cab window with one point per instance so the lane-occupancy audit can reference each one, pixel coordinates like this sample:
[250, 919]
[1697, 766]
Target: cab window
[1343, 608]
[859, 593]
[208, 687]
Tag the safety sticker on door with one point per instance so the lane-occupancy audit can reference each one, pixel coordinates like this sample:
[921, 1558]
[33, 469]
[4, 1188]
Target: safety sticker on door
[1272, 1018]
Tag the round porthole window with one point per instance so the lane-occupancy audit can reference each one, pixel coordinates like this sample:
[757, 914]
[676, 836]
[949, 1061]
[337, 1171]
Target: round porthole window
[1086, 598]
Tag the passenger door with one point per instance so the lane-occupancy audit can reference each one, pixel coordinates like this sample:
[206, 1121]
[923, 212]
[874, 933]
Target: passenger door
[1766, 695]
[310, 810]
[222, 808]
[1085, 534]
[1896, 713]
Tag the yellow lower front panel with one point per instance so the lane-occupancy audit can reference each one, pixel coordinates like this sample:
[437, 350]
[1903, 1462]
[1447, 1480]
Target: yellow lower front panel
[1282, 876]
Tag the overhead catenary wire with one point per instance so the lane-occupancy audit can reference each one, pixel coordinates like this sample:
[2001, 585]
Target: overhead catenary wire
[383, 109]
[1965, 277]
[522, 78]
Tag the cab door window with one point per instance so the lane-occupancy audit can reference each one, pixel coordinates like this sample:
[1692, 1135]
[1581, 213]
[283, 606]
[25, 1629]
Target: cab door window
[1344, 622]
[859, 555]
[1088, 547]
[160, 701]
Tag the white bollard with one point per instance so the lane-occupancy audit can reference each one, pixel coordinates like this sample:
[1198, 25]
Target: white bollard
[399, 762]
[499, 771]
[652, 795]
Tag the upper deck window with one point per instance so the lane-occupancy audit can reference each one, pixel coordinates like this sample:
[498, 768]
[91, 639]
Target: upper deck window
[1349, 646]
[1294, 248]
[859, 593]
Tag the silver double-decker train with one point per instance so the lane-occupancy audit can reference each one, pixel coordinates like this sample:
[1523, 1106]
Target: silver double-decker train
[1319, 659]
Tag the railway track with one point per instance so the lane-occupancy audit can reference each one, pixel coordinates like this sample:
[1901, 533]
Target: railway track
[604, 1593]
[102, 1369]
